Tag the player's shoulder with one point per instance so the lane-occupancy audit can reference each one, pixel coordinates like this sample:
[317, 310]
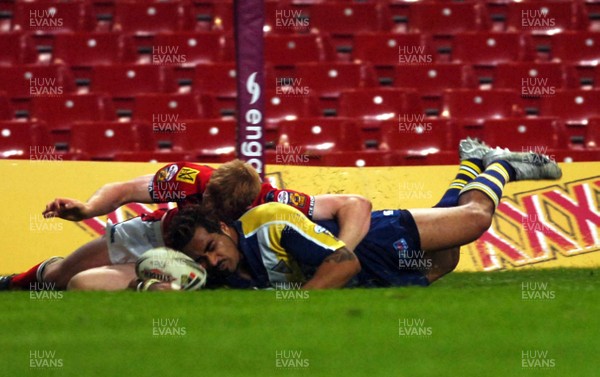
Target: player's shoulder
[174, 167]
[269, 213]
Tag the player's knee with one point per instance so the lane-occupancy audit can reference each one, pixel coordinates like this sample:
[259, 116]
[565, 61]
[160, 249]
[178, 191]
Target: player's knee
[80, 282]
[443, 263]
[453, 259]
[480, 217]
[53, 273]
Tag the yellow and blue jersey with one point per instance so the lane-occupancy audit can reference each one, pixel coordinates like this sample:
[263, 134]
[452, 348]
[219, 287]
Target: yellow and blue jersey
[280, 247]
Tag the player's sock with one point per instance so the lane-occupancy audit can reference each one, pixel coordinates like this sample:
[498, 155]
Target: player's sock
[467, 171]
[491, 182]
[30, 278]
[25, 279]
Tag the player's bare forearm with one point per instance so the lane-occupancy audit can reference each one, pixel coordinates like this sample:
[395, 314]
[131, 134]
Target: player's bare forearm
[335, 271]
[107, 199]
[352, 212]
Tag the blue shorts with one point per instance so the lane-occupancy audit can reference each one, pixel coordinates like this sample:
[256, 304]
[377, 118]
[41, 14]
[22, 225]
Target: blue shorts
[390, 254]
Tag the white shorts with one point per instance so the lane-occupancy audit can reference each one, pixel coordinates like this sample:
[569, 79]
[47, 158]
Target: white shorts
[129, 239]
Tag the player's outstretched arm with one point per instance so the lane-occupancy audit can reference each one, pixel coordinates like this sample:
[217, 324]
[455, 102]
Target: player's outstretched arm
[352, 212]
[335, 271]
[107, 199]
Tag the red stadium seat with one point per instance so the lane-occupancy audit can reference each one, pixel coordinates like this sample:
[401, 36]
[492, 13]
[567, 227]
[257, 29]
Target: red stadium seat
[477, 105]
[582, 48]
[485, 48]
[441, 158]
[35, 81]
[285, 18]
[592, 135]
[316, 136]
[378, 104]
[531, 79]
[53, 17]
[282, 106]
[165, 157]
[386, 50]
[129, 80]
[356, 159]
[219, 79]
[337, 22]
[149, 18]
[6, 109]
[345, 18]
[329, 79]
[571, 155]
[432, 80]
[542, 17]
[212, 15]
[87, 49]
[103, 140]
[539, 135]
[287, 50]
[166, 109]
[184, 48]
[444, 18]
[574, 106]
[22, 139]
[59, 112]
[212, 140]
[217, 84]
[417, 136]
[15, 50]
[390, 49]
[153, 156]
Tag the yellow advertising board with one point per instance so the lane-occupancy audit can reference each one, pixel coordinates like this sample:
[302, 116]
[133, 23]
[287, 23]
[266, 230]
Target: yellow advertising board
[538, 224]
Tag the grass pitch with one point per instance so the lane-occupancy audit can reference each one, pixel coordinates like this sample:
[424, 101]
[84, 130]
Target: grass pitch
[525, 323]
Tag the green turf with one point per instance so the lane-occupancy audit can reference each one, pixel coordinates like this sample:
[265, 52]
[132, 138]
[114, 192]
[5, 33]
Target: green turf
[473, 324]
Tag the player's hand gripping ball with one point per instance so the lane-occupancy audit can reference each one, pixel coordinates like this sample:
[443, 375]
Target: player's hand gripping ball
[171, 266]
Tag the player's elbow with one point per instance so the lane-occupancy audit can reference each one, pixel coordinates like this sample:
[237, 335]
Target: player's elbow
[361, 202]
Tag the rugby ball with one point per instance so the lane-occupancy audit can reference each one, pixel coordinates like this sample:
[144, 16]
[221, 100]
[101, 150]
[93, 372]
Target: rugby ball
[172, 266]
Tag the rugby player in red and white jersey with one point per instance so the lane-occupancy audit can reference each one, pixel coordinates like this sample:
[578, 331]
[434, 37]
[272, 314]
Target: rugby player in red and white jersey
[228, 191]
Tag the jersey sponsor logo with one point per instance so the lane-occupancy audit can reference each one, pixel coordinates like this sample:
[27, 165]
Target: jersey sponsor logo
[283, 197]
[297, 200]
[270, 197]
[187, 175]
[319, 229]
[388, 212]
[167, 173]
[401, 246]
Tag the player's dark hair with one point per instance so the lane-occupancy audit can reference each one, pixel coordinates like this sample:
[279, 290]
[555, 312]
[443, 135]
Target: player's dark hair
[184, 223]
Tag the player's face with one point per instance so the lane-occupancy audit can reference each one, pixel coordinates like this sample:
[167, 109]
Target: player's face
[214, 251]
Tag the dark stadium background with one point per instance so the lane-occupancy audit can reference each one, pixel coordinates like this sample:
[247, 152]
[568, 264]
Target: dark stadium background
[386, 82]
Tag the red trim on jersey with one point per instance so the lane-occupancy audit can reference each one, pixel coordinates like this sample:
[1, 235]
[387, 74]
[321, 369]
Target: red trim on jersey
[303, 202]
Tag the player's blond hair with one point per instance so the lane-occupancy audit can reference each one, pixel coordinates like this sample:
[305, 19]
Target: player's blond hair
[231, 190]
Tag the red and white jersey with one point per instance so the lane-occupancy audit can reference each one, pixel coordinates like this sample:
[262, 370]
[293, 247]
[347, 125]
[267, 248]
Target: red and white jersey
[185, 182]
[181, 182]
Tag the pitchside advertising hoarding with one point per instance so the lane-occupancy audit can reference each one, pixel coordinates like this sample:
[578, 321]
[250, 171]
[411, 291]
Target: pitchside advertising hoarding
[538, 224]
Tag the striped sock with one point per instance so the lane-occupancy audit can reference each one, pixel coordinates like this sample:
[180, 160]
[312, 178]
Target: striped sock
[467, 171]
[491, 182]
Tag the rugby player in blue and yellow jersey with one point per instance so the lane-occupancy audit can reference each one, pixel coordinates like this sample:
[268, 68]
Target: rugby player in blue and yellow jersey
[274, 245]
